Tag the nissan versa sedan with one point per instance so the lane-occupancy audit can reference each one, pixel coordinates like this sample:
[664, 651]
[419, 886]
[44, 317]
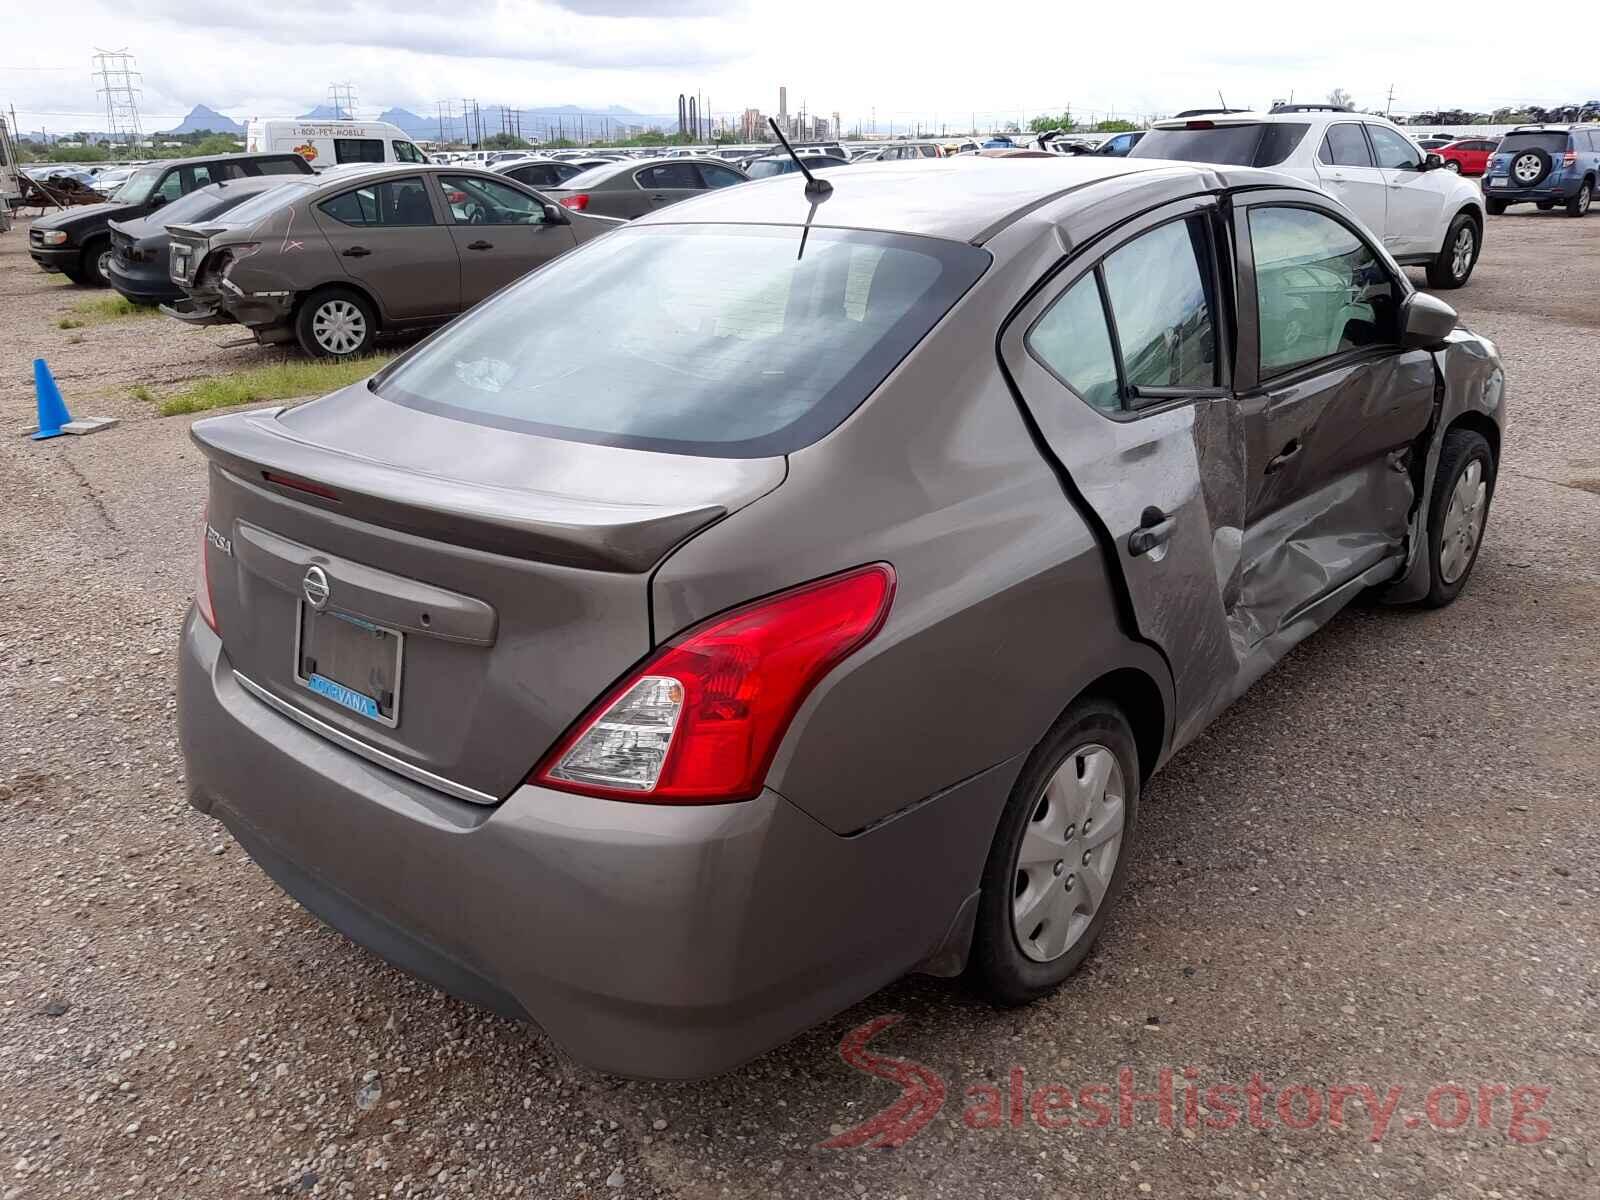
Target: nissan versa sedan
[333, 260]
[631, 189]
[740, 613]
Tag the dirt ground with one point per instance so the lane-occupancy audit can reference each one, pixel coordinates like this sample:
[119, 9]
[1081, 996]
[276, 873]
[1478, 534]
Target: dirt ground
[1377, 870]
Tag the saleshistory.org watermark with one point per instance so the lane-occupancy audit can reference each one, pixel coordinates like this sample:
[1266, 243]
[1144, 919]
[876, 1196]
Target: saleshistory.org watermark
[1180, 1098]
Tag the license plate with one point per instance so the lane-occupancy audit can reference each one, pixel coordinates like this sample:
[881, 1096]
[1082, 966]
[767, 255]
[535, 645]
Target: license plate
[1498, 180]
[351, 662]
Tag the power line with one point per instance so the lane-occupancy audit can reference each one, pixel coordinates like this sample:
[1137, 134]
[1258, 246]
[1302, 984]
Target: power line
[120, 85]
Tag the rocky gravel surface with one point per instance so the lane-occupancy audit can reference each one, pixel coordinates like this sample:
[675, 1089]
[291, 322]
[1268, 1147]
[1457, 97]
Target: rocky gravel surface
[1376, 870]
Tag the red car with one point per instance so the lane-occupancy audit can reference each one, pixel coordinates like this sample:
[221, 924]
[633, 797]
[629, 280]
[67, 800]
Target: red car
[1468, 156]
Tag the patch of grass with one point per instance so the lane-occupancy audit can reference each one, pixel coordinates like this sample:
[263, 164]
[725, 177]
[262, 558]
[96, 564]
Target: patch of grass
[140, 392]
[70, 323]
[108, 308]
[279, 381]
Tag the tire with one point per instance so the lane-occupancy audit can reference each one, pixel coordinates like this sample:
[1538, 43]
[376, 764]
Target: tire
[1496, 208]
[1545, 205]
[1091, 742]
[75, 275]
[1451, 164]
[1529, 167]
[1452, 546]
[93, 263]
[336, 322]
[1452, 266]
[1578, 206]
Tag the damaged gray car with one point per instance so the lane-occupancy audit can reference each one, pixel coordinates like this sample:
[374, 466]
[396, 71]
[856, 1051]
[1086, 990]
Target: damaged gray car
[799, 587]
[335, 260]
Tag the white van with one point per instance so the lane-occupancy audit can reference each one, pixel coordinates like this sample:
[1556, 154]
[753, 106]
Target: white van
[331, 143]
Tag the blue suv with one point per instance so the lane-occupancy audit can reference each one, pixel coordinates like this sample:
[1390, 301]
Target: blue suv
[1546, 165]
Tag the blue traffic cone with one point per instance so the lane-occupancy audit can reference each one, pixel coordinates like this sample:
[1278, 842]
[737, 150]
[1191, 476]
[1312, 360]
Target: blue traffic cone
[53, 412]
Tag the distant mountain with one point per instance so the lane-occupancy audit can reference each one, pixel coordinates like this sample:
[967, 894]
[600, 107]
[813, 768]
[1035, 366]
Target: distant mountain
[322, 112]
[545, 121]
[200, 118]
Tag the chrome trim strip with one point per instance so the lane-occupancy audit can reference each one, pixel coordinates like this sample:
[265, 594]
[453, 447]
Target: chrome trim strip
[356, 746]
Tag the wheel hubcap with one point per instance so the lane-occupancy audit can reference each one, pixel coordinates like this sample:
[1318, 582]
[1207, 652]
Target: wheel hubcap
[338, 326]
[1453, 165]
[1461, 260]
[1526, 168]
[1584, 196]
[1078, 820]
[105, 265]
[1463, 522]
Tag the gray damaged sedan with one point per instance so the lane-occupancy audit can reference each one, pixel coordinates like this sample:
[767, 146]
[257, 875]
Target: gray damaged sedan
[737, 615]
[333, 260]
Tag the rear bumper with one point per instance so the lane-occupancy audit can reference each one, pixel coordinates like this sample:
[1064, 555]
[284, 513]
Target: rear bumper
[653, 941]
[1560, 189]
[150, 288]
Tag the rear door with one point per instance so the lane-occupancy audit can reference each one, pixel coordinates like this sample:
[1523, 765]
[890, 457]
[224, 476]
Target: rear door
[1330, 404]
[1121, 361]
[667, 183]
[1414, 222]
[389, 239]
[500, 232]
[1347, 170]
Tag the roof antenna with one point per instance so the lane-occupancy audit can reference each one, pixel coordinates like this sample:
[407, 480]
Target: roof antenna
[817, 189]
[1221, 101]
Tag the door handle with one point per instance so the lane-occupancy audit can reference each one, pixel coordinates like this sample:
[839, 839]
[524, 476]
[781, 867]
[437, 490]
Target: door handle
[356, 252]
[1155, 529]
[1283, 458]
[480, 244]
[658, 197]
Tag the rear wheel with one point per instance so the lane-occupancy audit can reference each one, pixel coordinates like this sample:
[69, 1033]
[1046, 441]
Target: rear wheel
[336, 323]
[1453, 265]
[1578, 206]
[1058, 857]
[1496, 207]
[1457, 512]
[1451, 164]
[1545, 205]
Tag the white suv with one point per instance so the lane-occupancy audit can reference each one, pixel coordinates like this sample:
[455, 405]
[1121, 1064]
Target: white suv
[1425, 216]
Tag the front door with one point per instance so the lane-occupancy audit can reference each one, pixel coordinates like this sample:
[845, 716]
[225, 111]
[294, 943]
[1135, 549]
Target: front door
[501, 233]
[1330, 404]
[1122, 366]
[1347, 170]
[388, 238]
[1415, 219]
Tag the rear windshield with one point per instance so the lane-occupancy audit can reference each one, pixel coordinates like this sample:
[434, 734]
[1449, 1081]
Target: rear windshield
[200, 204]
[765, 168]
[1550, 143]
[1264, 145]
[265, 203]
[592, 177]
[723, 340]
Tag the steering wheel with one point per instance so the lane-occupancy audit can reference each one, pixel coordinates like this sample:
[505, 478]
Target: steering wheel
[475, 216]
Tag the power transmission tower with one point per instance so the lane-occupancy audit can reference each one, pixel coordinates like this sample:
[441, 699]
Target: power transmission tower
[342, 99]
[120, 82]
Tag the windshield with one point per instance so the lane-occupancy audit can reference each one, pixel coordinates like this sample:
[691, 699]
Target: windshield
[1550, 143]
[139, 186]
[264, 204]
[720, 340]
[1264, 145]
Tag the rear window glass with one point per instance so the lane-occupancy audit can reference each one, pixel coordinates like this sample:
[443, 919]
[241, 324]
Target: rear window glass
[718, 340]
[593, 177]
[268, 202]
[1264, 145]
[1550, 143]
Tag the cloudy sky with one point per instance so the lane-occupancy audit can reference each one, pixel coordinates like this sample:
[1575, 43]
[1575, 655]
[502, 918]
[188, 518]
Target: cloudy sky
[935, 61]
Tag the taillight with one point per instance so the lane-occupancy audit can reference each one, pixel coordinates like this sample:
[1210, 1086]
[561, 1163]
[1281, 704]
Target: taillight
[1569, 158]
[699, 721]
[202, 576]
[577, 203]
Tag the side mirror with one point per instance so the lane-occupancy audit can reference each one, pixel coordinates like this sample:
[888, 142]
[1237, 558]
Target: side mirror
[157, 201]
[1426, 322]
[1432, 161]
[554, 214]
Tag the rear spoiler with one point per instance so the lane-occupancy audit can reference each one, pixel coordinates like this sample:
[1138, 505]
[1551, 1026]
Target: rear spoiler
[541, 526]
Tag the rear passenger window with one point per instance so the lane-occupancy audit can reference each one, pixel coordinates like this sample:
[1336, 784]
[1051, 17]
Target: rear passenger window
[1345, 146]
[349, 150]
[1320, 290]
[669, 176]
[720, 177]
[1159, 304]
[1071, 342]
[393, 202]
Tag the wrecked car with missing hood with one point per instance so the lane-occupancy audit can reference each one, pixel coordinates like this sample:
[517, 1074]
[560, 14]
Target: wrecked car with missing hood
[798, 587]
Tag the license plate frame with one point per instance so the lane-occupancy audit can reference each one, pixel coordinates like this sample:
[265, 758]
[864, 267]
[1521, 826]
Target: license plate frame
[1499, 181]
[342, 692]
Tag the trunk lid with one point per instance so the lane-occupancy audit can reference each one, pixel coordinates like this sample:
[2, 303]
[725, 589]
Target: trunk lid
[515, 569]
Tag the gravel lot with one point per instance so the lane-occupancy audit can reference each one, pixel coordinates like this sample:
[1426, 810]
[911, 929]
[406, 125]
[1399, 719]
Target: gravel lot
[1378, 868]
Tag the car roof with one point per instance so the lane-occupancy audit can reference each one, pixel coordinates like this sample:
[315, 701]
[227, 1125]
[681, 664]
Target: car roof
[213, 158]
[1311, 117]
[1561, 127]
[961, 199]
